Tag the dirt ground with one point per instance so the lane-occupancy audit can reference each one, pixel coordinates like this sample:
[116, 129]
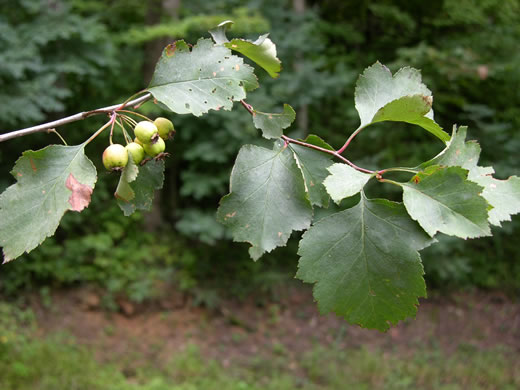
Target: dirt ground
[240, 330]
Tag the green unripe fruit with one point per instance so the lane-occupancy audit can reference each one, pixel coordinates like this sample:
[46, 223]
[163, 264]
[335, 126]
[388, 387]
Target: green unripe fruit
[146, 132]
[156, 148]
[136, 151]
[115, 156]
[165, 127]
[136, 140]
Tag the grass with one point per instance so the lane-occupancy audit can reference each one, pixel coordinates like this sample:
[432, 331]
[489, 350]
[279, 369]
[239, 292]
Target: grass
[30, 363]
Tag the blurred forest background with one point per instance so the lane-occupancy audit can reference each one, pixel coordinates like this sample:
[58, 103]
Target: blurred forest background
[59, 57]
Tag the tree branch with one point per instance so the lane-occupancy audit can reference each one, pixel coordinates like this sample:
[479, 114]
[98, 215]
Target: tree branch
[73, 118]
[289, 140]
[332, 152]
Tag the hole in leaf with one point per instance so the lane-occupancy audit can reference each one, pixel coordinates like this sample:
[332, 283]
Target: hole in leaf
[205, 102]
[187, 106]
[189, 89]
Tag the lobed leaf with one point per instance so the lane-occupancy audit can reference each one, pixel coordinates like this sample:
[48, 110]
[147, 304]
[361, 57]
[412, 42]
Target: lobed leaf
[458, 152]
[344, 181]
[402, 97]
[50, 181]
[442, 199]
[206, 77]
[272, 125]
[267, 199]
[502, 195]
[365, 263]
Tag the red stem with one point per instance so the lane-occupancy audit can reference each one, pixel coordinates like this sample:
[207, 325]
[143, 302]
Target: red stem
[347, 143]
[331, 152]
[289, 140]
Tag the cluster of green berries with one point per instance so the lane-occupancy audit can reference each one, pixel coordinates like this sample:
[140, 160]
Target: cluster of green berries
[149, 140]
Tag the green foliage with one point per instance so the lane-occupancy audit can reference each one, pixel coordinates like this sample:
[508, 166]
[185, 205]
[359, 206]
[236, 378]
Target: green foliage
[207, 77]
[466, 50]
[314, 165]
[137, 185]
[272, 125]
[47, 52]
[49, 182]
[267, 199]
[115, 254]
[502, 195]
[344, 182]
[401, 98]
[365, 263]
[195, 25]
[262, 51]
[444, 200]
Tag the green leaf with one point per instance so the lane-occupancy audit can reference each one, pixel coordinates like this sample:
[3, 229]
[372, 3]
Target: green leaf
[272, 125]
[313, 165]
[443, 200]
[458, 152]
[50, 181]
[207, 77]
[149, 179]
[402, 97]
[262, 51]
[365, 263]
[412, 109]
[267, 199]
[503, 195]
[124, 191]
[344, 181]
[317, 141]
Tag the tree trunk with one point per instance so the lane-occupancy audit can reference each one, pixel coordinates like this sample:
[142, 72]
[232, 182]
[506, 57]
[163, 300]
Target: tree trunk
[153, 49]
[302, 113]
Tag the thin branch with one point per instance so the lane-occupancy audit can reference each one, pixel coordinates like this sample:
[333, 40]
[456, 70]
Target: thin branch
[248, 107]
[289, 140]
[137, 114]
[398, 169]
[331, 152]
[345, 146]
[59, 135]
[73, 118]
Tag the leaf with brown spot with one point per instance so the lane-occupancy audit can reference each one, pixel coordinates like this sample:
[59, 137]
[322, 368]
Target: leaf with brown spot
[402, 97]
[31, 209]
[170, 49]
[80, 197]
